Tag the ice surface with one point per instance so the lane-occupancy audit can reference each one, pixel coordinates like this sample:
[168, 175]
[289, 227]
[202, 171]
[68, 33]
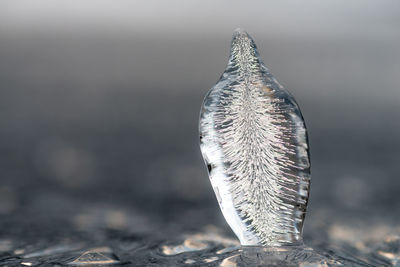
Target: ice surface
[254, 142]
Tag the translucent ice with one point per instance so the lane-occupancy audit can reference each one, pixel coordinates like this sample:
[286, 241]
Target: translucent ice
[97, 256]
[254, 142]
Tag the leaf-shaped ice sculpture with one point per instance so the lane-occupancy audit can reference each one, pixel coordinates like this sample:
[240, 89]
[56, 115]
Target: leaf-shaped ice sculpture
[254, 142]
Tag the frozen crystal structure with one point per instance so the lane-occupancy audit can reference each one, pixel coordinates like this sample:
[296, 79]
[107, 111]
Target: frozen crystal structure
[254, 143]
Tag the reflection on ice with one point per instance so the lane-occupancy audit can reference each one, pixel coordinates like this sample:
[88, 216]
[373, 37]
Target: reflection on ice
[217, 250]
[187, 246]
[279, 256]
[199, 242]
[228, 249]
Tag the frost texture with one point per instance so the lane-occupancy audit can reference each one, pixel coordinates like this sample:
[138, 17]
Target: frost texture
[254, 142]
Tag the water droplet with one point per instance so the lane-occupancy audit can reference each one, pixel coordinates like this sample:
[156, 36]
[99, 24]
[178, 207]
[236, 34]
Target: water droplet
[254, 137]
[102, 255]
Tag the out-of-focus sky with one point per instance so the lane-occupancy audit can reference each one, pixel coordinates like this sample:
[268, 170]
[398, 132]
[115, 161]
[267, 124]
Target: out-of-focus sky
[184, 42]
[288, 18]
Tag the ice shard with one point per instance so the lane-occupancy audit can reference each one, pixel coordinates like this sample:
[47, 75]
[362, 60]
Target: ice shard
[254, 143]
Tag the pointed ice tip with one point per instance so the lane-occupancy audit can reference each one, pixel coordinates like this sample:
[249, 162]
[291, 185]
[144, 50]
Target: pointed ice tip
[241, 39]
[243, 51]
[239, 32]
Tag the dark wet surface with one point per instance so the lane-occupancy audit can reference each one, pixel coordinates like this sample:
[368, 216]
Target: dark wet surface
[99, 156]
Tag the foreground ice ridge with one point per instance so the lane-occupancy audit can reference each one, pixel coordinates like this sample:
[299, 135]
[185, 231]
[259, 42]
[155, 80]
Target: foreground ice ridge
[254, 142]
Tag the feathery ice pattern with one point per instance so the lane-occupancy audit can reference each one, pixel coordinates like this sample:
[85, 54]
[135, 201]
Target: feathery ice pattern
[254, 142]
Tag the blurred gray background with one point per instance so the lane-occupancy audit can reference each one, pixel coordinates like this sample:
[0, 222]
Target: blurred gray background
[99, 105]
